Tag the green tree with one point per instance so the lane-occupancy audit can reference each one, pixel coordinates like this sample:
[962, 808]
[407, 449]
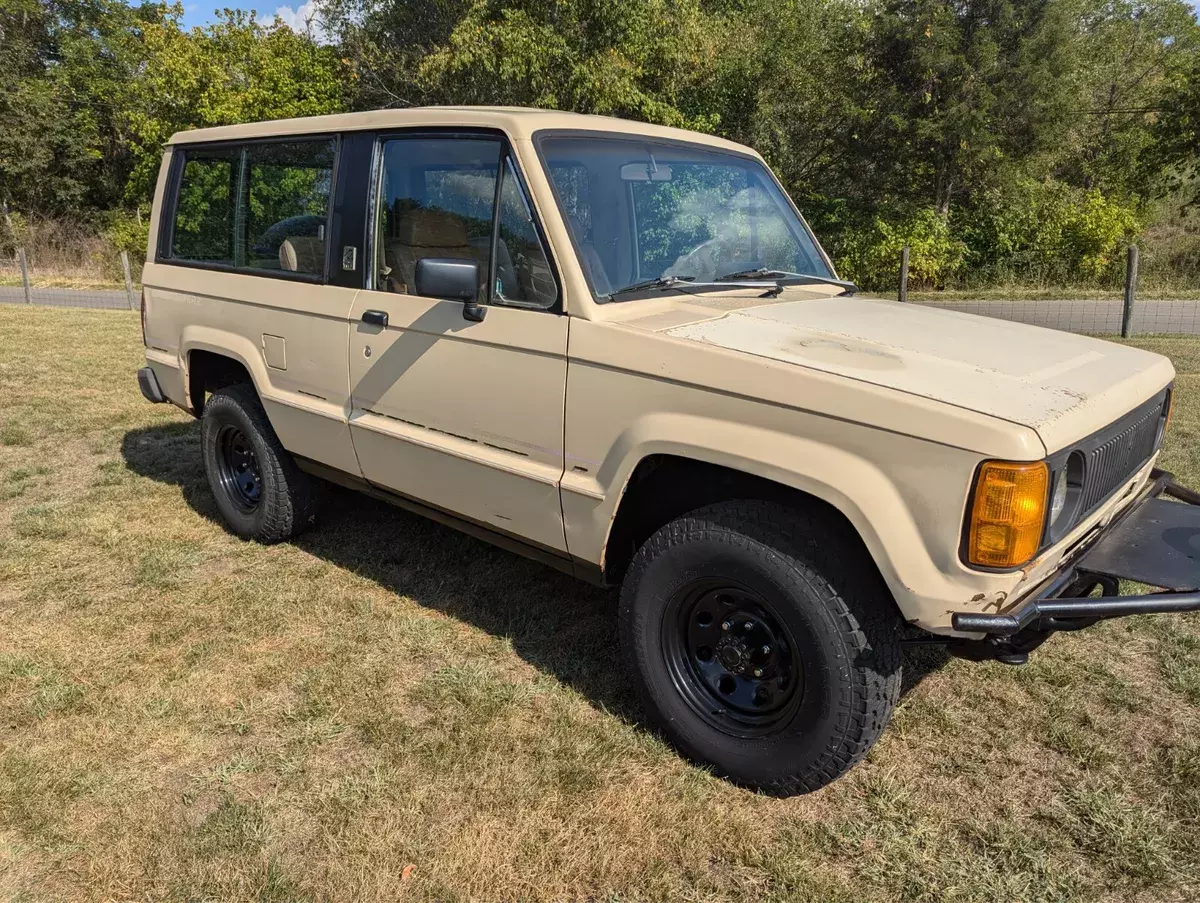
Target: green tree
[1136, 57]
[622, 58]
[53, 139]
[977, 90]
[237, 70]
[1176, 149]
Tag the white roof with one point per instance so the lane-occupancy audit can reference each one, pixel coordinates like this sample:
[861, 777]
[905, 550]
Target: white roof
[516, 122]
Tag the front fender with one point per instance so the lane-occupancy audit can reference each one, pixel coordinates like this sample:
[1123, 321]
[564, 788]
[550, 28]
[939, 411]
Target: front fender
[923, 574]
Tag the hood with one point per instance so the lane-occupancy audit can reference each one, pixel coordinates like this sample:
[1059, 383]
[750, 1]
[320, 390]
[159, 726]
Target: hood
[1061, 385]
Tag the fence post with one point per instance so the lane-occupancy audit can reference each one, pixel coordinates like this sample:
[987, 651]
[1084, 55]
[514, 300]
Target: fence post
[128, 278]
[25, 275]
[1131, 274]
[904, 274]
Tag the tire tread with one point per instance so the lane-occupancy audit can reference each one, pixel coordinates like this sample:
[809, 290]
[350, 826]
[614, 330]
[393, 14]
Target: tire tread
[289, 499]
[856, 600]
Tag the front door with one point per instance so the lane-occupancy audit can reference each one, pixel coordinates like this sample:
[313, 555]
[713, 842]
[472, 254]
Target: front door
[465, 415]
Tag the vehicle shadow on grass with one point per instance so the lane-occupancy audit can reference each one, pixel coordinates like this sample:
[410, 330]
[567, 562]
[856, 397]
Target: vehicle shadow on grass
[559, 625]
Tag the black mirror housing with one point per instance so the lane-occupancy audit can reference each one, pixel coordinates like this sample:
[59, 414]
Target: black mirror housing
[452, 278]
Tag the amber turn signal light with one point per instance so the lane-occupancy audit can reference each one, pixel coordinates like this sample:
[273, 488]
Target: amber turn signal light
[1007, 514]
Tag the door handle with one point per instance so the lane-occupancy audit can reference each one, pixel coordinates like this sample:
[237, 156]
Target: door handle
[375, 317]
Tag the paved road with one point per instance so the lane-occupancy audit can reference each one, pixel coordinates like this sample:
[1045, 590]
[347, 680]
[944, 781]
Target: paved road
[1095, 316]
[67, 297]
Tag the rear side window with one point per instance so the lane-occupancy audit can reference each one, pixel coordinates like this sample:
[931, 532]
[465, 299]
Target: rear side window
[204, 208]
[262, 206]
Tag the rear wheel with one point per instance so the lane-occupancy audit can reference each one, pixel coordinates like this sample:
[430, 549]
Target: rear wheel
[259, 490]
[764, 642]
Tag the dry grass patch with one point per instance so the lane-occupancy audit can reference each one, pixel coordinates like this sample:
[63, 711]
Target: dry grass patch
[185, 716]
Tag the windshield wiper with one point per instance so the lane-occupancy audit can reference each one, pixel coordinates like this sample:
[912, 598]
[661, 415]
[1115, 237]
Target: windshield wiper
[645, 284]
[687, 283]
[785, 275]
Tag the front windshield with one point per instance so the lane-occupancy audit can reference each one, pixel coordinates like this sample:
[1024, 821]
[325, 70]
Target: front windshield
[641, 210]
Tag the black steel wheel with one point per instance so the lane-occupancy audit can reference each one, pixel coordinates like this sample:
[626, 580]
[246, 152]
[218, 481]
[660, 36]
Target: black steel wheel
[237, 468]
[731, 657]
[763, 642]
[258, 488]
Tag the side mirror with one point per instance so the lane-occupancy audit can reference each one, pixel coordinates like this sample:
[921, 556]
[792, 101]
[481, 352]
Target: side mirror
[452, 278]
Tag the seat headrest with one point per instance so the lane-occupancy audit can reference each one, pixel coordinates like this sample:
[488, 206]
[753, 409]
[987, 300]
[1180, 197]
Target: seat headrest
[431, 229]
[302, 254]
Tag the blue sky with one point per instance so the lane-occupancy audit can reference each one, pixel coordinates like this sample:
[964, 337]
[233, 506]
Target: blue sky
[200, 12]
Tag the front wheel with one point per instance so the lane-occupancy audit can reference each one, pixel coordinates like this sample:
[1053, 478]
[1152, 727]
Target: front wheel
[259, 490]
[764, 645]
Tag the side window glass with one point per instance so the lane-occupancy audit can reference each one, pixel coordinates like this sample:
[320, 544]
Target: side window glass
[204, 208]
[523, 275]
[436, 199]
[286, 205]
[258, 207]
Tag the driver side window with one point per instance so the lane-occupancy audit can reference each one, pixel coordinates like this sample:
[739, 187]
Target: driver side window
[438, 199]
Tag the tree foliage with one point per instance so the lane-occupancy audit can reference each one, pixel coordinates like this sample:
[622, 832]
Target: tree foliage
[982, 133]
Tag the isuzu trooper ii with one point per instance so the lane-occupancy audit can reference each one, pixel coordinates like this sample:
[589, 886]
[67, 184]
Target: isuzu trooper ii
[618, 348]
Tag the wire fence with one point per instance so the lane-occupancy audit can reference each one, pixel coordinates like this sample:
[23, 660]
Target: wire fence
[1146, 303]
[1150, 291]
[22, 282]
[1097, 316]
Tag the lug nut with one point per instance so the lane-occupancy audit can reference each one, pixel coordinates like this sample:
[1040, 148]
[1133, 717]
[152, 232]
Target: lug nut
[724, 625]
[766, 650]
[758, 672]
[748, 626]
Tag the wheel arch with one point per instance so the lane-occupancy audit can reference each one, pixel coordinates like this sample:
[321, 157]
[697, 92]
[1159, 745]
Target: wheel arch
[213, 361]
[664, 486]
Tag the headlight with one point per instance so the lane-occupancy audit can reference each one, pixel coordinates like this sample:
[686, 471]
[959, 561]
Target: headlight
[1058, 498]
[1008, 512]
[1164, 420]
[1066, 496]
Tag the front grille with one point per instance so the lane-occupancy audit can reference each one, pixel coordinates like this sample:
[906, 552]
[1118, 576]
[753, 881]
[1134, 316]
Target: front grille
[1118, 456]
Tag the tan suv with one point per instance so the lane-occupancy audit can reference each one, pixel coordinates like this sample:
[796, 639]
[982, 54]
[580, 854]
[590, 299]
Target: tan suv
[617, 348]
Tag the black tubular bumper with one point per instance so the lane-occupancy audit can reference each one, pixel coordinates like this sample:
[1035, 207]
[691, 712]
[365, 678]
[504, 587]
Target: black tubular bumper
[148, 383]
[1153, 541]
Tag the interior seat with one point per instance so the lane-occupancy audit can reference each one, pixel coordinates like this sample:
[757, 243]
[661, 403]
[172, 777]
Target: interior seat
[302, 254]
[425, 233]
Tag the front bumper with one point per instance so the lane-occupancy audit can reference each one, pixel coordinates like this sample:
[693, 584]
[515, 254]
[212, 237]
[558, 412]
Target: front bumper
[1153, 541]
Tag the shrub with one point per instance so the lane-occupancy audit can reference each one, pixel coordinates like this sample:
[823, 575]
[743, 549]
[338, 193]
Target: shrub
[86, 249]
[1047, 232]
[871, 255]
[128, 231]
[14, 231]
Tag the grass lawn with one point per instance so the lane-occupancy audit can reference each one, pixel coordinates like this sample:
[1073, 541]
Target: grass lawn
[185, 716]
